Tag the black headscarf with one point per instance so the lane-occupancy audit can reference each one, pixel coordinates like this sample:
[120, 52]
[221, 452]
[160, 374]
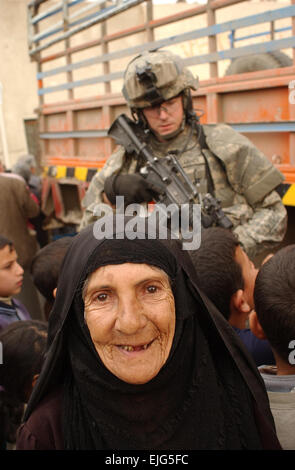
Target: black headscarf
[208, 395]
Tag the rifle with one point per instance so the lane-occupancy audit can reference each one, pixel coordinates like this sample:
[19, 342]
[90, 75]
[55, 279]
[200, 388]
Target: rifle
[167, 174]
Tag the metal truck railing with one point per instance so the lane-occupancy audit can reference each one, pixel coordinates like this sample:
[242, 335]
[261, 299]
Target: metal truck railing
[81, 50]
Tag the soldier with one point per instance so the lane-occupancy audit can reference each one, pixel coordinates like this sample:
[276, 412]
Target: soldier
[157, 88]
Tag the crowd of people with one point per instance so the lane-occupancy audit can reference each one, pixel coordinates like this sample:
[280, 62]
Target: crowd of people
[135, 343]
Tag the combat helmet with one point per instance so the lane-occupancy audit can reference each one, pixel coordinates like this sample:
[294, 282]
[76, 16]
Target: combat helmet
[154, 77]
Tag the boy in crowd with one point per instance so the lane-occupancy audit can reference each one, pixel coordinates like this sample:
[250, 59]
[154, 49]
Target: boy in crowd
[274, 319]
[46, 267]
[227, 276]
[11, 279]
[24, 346]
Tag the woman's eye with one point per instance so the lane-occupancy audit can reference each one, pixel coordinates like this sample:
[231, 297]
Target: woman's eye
[152, 289]
[102, 297]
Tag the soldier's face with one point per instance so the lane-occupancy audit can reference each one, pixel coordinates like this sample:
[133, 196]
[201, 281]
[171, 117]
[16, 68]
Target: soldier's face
[166, 118]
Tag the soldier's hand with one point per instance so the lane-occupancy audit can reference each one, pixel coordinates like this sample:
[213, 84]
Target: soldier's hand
[134, 188]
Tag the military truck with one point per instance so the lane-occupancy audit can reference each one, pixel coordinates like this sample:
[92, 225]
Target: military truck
[242, 51]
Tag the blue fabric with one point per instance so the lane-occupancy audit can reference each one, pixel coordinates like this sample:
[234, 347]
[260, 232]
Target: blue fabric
[12, 313]
[259, 349]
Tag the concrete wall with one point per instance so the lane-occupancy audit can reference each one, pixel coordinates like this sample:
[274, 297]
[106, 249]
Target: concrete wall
[17, 75]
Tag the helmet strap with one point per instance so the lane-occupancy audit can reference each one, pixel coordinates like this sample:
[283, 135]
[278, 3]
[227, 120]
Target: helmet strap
[139, 118]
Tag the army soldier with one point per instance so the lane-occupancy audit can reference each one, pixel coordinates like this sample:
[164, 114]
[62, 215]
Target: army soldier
[157, 88]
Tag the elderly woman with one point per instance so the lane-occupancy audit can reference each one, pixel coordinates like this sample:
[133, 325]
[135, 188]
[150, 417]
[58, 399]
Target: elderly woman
[139, 359]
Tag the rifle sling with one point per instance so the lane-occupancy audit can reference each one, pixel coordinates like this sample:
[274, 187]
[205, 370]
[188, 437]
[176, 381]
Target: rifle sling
[204, 146]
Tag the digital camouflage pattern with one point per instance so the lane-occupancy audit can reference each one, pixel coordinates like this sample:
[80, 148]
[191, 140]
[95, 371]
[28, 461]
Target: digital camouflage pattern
[243, 177]
[244, 181]
[171, 77]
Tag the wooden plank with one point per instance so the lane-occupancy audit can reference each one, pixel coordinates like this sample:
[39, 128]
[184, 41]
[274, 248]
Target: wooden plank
[52, 11]
[245, 85]
[196, 34]
[231, 53]
[212, 40]
[111, 12]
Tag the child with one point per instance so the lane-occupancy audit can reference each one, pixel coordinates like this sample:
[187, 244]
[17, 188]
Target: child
[274, 319]
[45, 269]
[227, 276]
[23, 346]
[11, 278]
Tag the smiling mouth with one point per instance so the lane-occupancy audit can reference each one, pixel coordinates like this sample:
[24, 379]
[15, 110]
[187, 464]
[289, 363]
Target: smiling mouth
[130, 348]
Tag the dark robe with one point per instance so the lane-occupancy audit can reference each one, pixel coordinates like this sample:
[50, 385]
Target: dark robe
[208, 395]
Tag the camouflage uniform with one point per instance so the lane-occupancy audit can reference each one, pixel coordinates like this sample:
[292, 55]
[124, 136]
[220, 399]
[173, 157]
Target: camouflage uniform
[244, 181]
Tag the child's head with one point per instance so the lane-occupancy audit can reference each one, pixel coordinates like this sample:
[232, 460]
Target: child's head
[11, 273]
[23, 349]
[45, 268]
[274, 297]
[225, 273]
[23, 345]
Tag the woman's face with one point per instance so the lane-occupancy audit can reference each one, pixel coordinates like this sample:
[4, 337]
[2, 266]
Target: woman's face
[130, 314]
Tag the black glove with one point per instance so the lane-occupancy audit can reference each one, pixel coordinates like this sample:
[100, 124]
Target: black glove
[134, 188]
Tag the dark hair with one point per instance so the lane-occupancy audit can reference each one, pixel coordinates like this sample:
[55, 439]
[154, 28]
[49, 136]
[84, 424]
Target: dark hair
[219, 274]
[274, 298]
[23, 346]
[4, 242]
[46, 266]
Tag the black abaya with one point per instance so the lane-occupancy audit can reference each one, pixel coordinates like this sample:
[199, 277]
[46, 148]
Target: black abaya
[208, 395]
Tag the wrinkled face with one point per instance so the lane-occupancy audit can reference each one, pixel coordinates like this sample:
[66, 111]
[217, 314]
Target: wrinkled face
[130, 314]
[249, 273]
[11, 273]
[166, 118]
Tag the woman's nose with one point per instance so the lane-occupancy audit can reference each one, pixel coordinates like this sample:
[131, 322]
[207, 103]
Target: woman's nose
[130, 316]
